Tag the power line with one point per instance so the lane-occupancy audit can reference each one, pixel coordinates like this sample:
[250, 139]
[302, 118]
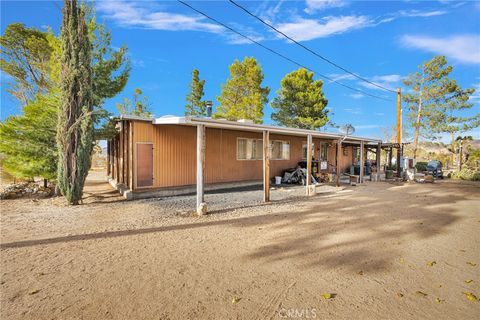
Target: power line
[310, 50]
[279, 54]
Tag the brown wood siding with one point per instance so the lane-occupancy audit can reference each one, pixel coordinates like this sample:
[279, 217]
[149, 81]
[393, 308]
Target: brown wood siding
[175, 154]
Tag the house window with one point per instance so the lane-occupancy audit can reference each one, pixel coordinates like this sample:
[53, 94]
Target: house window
[249, 149]
[279, 150]
[304, 150]
[356, 155]
[252, 149]
[323, 151]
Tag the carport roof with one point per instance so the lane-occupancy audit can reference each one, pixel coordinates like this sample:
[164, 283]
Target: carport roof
[247, 126]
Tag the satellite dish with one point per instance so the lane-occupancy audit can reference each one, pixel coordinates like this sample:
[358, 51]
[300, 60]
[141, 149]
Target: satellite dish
[346, 130]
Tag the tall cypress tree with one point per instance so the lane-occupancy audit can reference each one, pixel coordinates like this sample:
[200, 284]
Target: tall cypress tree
[75, 120]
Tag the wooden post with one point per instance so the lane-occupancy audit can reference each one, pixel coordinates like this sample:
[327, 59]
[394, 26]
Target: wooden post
[339, 151]
[362, 161]
[130, 154]
[310, 188]
[108, 157]
[378, 159]
[266, 166]
[460, 156]
[390, 158]
[201, 205]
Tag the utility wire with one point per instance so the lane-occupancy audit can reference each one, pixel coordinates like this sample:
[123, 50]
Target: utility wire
[279, 54]
[310, 50]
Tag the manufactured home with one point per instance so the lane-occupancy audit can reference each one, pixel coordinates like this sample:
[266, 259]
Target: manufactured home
[173, 155]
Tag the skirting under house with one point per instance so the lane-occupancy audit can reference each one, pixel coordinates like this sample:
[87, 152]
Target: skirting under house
[178, 155]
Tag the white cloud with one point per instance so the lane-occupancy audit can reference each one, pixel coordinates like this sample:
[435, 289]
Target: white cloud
[357, 95]
[389, 81]
[144, 15]
[462, 48]
[317, 5]
[342, 76]
[366, 126]
[308, 29]
[475, 97]
[353, 110]
[417, 13]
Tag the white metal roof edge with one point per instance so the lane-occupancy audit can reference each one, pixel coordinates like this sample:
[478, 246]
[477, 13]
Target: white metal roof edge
[219, 123]
[131, 117]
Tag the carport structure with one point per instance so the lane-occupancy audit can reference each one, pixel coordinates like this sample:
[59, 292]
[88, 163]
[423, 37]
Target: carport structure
[189, 153]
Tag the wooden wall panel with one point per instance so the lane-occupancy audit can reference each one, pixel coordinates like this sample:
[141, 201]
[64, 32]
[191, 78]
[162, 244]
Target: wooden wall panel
[175, 154]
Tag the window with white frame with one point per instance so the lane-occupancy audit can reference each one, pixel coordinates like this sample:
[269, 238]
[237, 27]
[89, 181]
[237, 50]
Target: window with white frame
[249, 149]
[279, 150]
[252, 149]
[304, 150]
[323, 151]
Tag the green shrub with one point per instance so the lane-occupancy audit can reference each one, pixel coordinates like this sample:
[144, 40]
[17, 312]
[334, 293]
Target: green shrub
[467, 174]
[421, 166]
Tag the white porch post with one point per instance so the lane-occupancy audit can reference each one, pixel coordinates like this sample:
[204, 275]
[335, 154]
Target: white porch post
[362, 161]
[309, 187]
[201, 205]
[266, 166]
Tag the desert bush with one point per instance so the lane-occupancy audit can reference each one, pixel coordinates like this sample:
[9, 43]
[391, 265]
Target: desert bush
[467, 174]
[421, 166]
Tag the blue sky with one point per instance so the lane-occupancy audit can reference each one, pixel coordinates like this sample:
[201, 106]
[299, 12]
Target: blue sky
[380, 40]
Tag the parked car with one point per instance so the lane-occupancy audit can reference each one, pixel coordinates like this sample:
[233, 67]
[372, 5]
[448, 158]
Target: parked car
[434, 168]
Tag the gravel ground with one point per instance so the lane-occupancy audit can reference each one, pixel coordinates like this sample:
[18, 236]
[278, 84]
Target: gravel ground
[383, 251]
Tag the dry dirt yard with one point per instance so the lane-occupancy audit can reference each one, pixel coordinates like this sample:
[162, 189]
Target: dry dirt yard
[384, 251]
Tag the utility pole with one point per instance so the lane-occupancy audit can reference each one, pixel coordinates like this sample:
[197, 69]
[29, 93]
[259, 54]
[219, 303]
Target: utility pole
[399, 128]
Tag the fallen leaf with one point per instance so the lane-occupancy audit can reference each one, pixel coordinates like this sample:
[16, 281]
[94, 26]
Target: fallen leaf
[463, 250]
[329, 295]
[400, 295]
[470, 296]
[402, 260]
[34, 292]
[235, 300]
[439, 300]
[431, 263]
[469, 281]
[471, 263]
[360, 273]
[421, 293]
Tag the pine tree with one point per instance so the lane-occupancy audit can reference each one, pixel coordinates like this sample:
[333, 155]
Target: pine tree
[138, 108]
[27, 141]
[453, 121]
[300, 102]
[195, 105]
[32, 59]
[431, 90]
[75, 119]
[242, 96]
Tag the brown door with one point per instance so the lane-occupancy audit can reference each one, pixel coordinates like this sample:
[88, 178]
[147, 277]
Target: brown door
[144, 165]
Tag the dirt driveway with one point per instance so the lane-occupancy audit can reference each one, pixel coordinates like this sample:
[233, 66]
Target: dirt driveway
[384, 251]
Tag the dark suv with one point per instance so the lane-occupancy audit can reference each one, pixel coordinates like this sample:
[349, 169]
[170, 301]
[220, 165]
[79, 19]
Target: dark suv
[434, 168]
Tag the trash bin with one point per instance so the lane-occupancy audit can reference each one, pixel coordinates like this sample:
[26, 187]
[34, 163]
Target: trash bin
[278, 180]
[389, 174]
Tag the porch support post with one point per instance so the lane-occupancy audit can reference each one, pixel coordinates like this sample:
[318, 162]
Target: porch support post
[339, 152]
[390, 159]
[362, 161]
[310, 187]
[109, 148]
[378, 159]
[266, 166]
[201, 205]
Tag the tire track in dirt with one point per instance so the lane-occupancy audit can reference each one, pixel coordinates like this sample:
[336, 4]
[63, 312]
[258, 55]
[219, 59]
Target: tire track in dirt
[268, 308]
